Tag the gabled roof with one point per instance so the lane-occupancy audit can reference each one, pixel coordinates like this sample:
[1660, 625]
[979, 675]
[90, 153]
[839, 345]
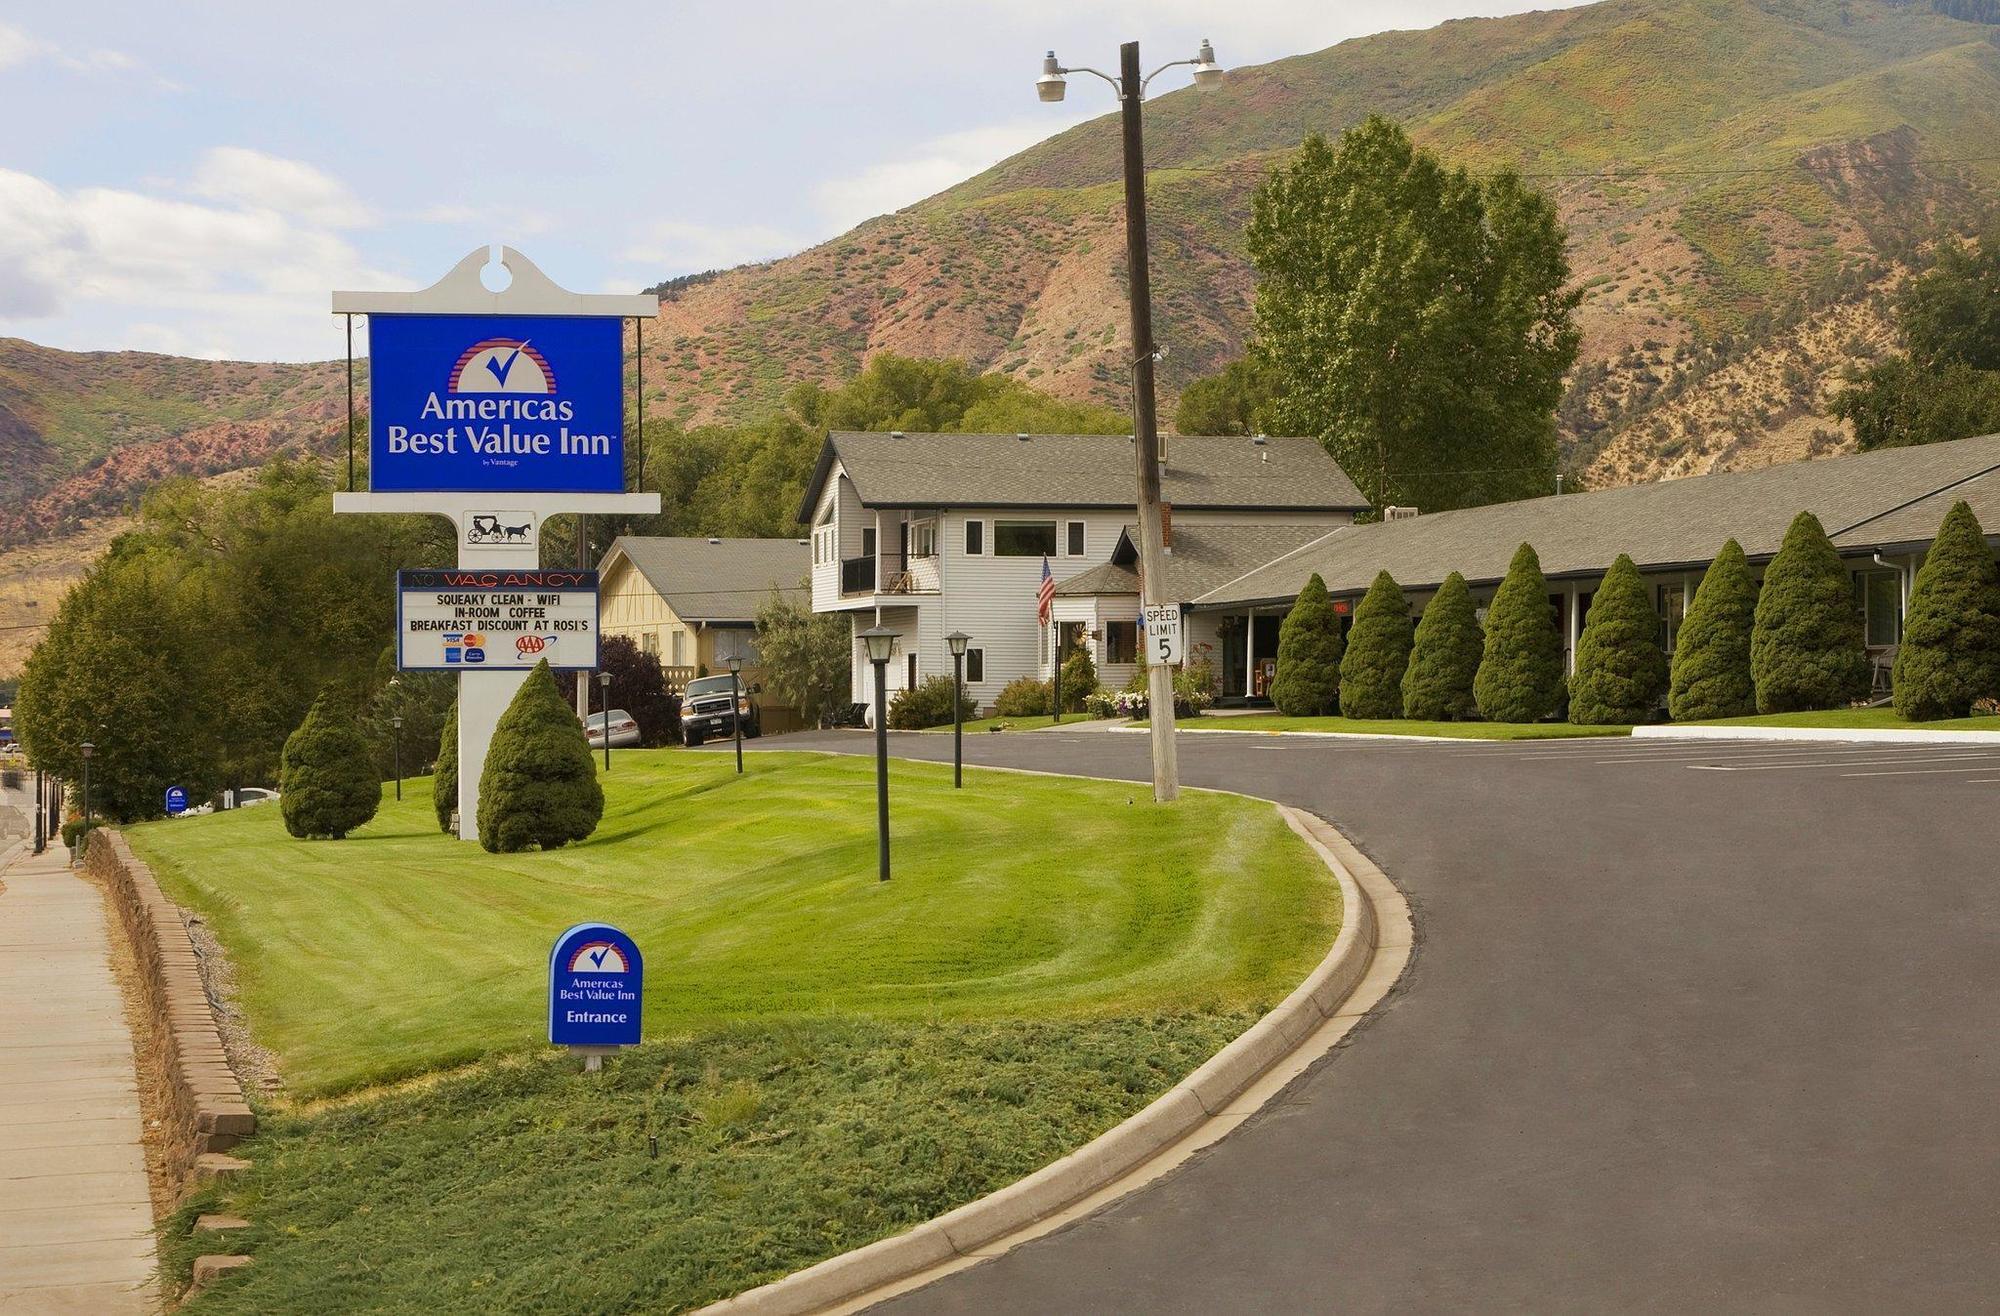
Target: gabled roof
[1203, 556]
[716, 580]
[1079, 470]
[1874, 500]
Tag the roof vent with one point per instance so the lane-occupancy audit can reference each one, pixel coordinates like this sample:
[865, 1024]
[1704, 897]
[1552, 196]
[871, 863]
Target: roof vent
[895, 434]
[1259, 440]
[1022, 437]
[1394, 513]
[713, 540]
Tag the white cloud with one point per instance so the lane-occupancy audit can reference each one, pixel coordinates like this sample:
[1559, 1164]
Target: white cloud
[935, 165]
[267, 182]
[215, 279]
[686, 247]
[17, 47]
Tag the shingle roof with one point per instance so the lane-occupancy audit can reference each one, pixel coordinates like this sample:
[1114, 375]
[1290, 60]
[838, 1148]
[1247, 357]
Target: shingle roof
[717, 580]
[1079, 470]
[1204, 556]
[1870, 500]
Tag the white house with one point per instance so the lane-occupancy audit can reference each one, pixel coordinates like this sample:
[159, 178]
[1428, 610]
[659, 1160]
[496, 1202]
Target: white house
[927, 534]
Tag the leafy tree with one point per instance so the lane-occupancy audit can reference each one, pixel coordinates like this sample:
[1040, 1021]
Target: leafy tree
[1951, 312]
[1413, 318]
[1520, 676]
[1621, 668]
[444, 778]
[1444, 656]
[1378, 652]
[639, 686]
[1226, 403]
[1949, 657]
[329, 786]
[928, 705]
[540, 785]
[808, 659]
[1898, 403]
[1309, 653]
[1079, 678]
[1805, 648]
[1711, 668]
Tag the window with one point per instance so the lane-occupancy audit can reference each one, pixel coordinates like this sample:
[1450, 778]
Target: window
[1074, 545]
[911, 660]
[1024, 538]
[649, 644]
[975, 538]
[868, 541]
[1673, 606]
[739, 644]
[975, 664]
[1121, 641]
[680, 648]
[1880, 594]
[923, 539]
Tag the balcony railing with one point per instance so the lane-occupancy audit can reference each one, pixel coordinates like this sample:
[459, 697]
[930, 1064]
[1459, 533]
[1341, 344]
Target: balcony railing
[857, 575]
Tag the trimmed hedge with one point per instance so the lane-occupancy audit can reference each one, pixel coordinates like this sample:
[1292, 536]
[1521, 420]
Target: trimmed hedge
[1806, 647]
[328, 785]
[1710, 677]
[1520, 676]
[444, 777]
[1949, 657]
[928, 705]
[1621, 667]
[1444, 656]
[540, 785]
[1309, 653]
[1378, 652]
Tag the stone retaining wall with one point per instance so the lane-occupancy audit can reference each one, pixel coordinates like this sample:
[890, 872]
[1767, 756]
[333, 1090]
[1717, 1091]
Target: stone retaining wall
[202, 1099]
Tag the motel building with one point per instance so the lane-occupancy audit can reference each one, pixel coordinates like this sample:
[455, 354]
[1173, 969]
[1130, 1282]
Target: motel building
[954, 529]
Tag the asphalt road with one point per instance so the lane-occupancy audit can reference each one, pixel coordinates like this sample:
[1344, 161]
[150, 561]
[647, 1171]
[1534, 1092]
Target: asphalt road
[1689, 1027]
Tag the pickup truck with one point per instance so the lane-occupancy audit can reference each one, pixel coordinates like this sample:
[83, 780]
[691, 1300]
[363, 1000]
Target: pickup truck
[706, 713]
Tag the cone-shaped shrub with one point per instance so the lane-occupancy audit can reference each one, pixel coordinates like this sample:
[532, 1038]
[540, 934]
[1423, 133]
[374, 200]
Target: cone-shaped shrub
[1711, 670]
[328, 785]
[1950, 652]
[1621, 667]
[1079, 674]
[540, 784]
[1805, 649]
[1378, 652]
[1521, 672]
[1444, 656]
[444, 777]
[1309, 646]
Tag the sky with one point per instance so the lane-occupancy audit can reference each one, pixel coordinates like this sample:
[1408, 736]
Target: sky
[196, 178]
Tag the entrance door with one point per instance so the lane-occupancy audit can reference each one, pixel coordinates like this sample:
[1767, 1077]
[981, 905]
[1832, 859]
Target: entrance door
[910, 659]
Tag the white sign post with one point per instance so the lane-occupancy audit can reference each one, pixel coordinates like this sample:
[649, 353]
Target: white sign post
[1164, 645]
[497, 527]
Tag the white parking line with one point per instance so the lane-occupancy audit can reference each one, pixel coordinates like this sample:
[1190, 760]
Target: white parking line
[1843, 763]
[1910, 772]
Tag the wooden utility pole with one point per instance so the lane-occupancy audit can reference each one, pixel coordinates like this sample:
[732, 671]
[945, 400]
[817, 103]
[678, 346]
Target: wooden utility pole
[1145, 423]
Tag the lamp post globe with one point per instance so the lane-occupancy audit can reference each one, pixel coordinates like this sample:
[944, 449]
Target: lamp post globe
[396, 725]
[1207, 73]
[880, 642]
[956, 642]
[1051, 86]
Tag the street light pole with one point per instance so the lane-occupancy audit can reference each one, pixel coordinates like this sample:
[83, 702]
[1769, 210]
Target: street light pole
[604, 688]
[88, 749]
[1131, 89]
[880, 640]
[397, 724]
[957, 641]
[736, 706]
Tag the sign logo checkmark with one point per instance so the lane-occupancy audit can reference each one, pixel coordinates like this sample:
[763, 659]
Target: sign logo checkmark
[500, 371]
[597, 957]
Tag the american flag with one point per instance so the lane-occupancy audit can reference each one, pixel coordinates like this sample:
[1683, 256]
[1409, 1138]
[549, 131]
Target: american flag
[1045, 594]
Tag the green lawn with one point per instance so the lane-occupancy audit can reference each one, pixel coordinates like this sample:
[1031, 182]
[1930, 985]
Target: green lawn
[1404, 727]
[400, 950]
[829, 1060]
[1854, 719]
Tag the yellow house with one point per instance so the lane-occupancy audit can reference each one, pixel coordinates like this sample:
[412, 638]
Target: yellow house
[692, 603]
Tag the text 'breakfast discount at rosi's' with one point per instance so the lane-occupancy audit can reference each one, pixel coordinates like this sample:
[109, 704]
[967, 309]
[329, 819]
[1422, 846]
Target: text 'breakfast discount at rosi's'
[455, 620]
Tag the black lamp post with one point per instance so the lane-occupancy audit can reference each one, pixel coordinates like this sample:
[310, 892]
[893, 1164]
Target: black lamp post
[397, 724]
[880, 640]
[88, 749]
[957, 640]
[604, 689]
[736, 706]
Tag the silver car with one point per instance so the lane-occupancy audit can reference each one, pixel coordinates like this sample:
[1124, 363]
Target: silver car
[624, 730]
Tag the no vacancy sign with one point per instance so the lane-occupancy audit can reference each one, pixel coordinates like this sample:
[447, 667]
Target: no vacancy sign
[469, 620]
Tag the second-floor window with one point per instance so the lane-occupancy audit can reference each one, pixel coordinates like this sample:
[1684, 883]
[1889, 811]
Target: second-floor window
[1074, 541]
[975, 538]
[923, 539]
[1024, 538]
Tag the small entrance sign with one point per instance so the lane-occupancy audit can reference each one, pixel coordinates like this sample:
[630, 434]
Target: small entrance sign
[1162, 624]
[177, 801]
[595, 980]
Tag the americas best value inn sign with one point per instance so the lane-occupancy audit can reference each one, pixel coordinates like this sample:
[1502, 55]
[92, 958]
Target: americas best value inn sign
[469, 619]
[496, 403]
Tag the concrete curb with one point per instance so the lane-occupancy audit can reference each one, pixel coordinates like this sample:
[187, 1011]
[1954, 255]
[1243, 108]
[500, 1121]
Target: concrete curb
[1367, 958]
[1855, 735]
[204, 1100]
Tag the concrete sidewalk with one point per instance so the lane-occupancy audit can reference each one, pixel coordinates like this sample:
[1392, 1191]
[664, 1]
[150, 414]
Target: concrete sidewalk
[75, 1216]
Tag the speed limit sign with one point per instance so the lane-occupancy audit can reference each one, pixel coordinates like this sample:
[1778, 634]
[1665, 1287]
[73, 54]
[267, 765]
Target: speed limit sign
[1163, 633]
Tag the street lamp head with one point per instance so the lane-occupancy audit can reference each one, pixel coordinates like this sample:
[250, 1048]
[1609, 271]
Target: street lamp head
[957, 640]
[396, 722]
[604, 679]
[87, 748]
[1207, 73]
[1051, 86]
[880, 641]
[735, 664]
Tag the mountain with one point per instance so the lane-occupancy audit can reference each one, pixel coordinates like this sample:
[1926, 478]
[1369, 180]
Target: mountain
[1745, 181]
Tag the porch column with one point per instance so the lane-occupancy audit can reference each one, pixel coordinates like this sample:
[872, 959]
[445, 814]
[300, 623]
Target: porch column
[1575, 627]
[1250, 654]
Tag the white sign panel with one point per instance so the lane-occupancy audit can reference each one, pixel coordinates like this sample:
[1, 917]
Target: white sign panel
[1162, 622]
[465, 619]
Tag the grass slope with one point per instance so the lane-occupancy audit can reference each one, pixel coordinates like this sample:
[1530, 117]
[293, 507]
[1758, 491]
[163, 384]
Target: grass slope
[400, 950]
